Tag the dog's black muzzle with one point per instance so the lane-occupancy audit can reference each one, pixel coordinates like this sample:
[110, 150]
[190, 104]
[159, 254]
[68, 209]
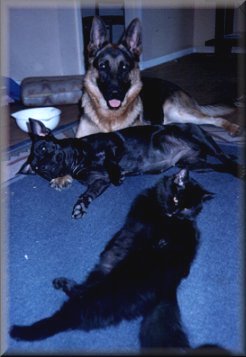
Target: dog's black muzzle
[114, 92]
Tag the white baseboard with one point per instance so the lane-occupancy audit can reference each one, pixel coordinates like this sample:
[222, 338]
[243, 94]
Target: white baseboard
[166, 58]
[174, 55]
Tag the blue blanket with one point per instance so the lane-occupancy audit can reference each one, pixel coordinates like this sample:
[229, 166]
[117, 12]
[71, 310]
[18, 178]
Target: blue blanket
[44, 242]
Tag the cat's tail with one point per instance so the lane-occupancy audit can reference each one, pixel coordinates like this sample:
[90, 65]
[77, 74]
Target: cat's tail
[162, 328]
[64, 319]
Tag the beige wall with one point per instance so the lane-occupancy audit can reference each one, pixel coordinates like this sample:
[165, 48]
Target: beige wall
[47, 40]
[204, 27]
[166, 30]
[44, 42]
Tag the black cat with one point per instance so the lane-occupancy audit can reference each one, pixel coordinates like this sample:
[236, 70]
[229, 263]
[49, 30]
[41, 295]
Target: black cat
[139, 270]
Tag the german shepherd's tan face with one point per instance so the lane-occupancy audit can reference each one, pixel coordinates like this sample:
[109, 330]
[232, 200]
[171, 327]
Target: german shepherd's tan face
[114, 68]
[112, 82]
[113, 63]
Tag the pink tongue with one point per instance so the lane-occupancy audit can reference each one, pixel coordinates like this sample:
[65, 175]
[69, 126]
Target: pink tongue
[114, 103]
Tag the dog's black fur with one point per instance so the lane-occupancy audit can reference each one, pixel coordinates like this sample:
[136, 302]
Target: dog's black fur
[104, 158]
[139, 270]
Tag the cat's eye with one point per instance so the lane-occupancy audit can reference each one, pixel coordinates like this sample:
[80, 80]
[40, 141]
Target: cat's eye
[175, 200]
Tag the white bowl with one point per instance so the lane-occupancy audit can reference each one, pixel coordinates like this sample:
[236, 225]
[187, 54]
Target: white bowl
[49, 116]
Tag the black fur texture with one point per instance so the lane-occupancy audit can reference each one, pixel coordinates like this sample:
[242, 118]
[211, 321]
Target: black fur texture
[104, 158]
[139, 270]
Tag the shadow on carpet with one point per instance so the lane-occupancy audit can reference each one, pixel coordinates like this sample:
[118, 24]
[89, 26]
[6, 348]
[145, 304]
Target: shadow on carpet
[44, 242]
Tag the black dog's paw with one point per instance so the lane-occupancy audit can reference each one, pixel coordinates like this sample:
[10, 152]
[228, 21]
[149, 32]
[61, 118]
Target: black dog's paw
[63, 284]
[116, 175]
[117, 180]
[59, 183]
[80, 208]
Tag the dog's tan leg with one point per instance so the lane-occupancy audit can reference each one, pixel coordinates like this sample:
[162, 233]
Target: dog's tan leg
[176, 113]
[86, 127]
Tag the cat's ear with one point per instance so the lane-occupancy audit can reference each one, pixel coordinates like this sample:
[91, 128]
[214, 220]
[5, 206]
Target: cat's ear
[181, 177]
[208, 195]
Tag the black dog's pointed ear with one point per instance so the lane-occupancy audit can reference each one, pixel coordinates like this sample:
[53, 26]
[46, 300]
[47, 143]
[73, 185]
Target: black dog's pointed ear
[26, 169]
[38, 128]
[98, 35]
[132, 38]
[181, 177]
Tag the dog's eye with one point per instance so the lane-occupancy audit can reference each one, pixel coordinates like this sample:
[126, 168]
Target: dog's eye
[42, 148]
[124, 66]
[102, 65]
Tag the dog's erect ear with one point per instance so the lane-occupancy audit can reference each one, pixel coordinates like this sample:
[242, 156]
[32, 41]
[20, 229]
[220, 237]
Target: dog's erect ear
[38, 128]
[132, 38]
[26, 169]
[98, 35]
[181, 177]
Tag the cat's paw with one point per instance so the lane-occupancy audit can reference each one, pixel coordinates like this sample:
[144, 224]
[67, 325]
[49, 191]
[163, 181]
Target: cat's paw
[60, 183]
[68, 286]
[63, 284]
[25, 333]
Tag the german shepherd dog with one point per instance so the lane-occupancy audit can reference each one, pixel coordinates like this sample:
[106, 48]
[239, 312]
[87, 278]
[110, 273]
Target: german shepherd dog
[115, 96]
[100, 159]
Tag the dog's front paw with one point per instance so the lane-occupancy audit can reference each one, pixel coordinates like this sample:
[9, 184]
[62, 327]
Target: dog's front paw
[59, 183]
[80, 208]
[118, 180]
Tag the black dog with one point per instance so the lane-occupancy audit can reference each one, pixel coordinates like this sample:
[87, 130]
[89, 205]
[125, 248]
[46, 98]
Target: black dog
[104, 158]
